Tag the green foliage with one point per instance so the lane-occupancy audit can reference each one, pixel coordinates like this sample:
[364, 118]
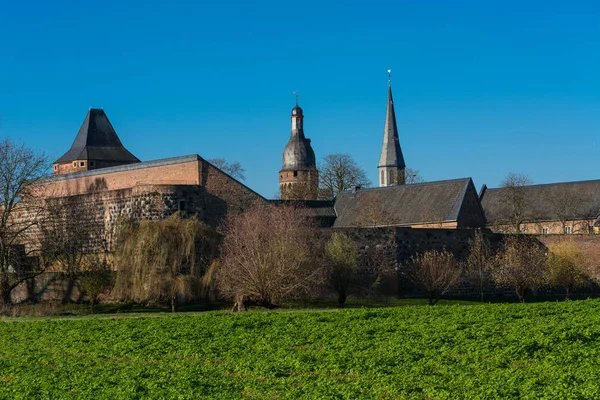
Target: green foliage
[501, 351]
[342, 265]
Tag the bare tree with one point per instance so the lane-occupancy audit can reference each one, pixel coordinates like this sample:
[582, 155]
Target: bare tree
[517, 207]
[413, 176]
[480, 261]
[435, 272]
[521, 264]
[234, 168]
[160, 261]
[269, 256]
[20, 170]
[339, 172]
[565, 205]
[342, 265]
[567, 266]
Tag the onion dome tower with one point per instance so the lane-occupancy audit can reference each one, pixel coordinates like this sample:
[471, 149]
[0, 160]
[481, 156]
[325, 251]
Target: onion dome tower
[298, 178]
[391, 161]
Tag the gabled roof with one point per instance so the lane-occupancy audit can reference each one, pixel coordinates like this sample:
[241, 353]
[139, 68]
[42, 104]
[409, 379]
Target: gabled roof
[548, 202]
[97, 140]
[402, 205]
[391, 153]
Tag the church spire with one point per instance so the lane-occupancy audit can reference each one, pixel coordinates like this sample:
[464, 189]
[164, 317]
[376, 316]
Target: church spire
[391, 162]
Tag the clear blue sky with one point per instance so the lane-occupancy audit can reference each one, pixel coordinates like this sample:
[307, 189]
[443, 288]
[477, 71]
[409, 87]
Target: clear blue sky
[481, 88]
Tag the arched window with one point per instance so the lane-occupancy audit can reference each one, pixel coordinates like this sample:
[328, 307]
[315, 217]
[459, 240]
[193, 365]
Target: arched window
[382, 177]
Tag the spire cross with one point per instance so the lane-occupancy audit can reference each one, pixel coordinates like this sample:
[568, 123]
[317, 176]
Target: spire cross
[389, 77]
[296, 93]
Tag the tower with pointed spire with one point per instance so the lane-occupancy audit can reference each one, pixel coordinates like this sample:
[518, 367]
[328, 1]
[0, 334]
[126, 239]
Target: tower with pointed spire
[299, 177]
[391, 166]
[95, 146]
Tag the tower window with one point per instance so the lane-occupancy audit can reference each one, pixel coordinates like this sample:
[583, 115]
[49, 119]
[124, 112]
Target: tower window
[81, 163]
[295, 173]
[74, 163]
[544, 231]
[92, 163]
[382, 178]
[568, 230]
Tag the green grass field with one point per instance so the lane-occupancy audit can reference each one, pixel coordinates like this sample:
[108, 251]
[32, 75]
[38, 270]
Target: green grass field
[544, 350]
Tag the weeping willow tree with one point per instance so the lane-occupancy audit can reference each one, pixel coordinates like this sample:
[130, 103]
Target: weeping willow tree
[161, 261]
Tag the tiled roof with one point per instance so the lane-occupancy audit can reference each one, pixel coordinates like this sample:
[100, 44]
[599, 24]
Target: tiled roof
[402, 205]
[97, 140]
[548, 202]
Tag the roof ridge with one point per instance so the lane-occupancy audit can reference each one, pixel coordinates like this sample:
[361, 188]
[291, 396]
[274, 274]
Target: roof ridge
[550, 184]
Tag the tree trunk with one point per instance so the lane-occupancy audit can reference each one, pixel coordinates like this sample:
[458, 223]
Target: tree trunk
[174, 303]
[519, 292]
[93, 303]
[4, 291]
[341, 299]
[568, 293]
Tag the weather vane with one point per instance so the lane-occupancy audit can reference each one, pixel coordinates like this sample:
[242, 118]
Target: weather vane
[296, 94]
[389, 77]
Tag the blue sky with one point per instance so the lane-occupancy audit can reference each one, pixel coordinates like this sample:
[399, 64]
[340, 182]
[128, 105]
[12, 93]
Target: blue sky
[481, 88]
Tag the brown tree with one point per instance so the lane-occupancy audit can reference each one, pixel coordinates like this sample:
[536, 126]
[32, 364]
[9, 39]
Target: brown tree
[339, 172]
[234, 169]
[160, 261]
[565, 205]
[96, 278]
[479, 261]
[435, 272]
[269, 255]
[413, 176]
[517, 207]
[521, 264]
[20, 170]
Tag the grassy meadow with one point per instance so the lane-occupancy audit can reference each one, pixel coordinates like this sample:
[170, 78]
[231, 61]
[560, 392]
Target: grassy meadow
[529, 351]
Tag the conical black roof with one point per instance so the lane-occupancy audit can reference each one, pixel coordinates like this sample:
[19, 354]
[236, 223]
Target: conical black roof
[97, 140]
[391, 153]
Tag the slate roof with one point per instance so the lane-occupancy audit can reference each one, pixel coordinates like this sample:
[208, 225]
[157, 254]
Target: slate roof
[97, 140]
[391, 153]
[402, 205]
[579, 200]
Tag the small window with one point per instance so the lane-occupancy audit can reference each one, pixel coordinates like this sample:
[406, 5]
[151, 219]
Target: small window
[55, 167]
[74, 163]
[82, 163]
[544, 231]
[295, 173]
[523, 228]
[181, 205]
[92, 163]
[568, 230]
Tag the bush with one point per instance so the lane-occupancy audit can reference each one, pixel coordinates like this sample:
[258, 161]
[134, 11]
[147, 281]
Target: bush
[435, 272]
[270, 254]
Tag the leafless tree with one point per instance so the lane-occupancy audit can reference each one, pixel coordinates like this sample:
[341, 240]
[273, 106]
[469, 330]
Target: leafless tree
[479, 261]
[517, 207]
[521, 264]
[342, 265]
[339, 172]
[566, 204]
[413, 176]
[435, 272]
[21, 169]
[269, 256]
[234, 168]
